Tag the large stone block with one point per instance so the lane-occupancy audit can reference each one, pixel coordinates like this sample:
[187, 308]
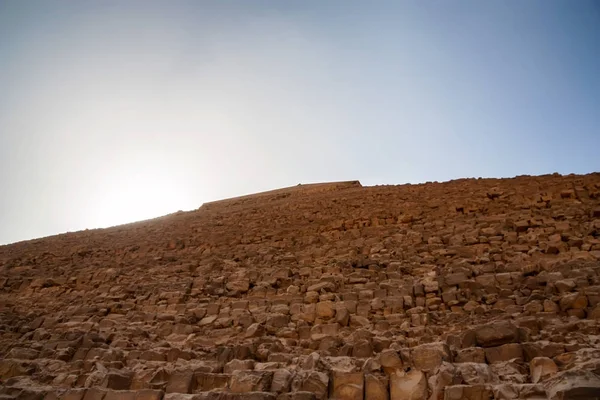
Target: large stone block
[206, 381]
[234, 365]
[504, 353]
[376, 387]
[541, 368]
[574, 385]
[476, 373]
[468, 392]
[427, 357]
[94, 394]
[74, 394]
[282, 380]
[346, 386]
[496, 334]
[251, 381]
[325, 309]
[120, 395]
[311, 381]
[445, 375]
[148, 394]
[390, 361]
[410, 386]
[471, 354]
[180, 382]
[118, 380]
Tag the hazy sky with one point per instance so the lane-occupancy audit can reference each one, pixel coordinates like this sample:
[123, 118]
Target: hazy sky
[114, 111]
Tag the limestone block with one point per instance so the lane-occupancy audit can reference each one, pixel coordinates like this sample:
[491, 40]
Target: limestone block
[207, 381]
[180, 382]
[470, 354]
[468, 392]
[496, 334]
[410, 386]
[390, 361]
[427, 357]
[542, 368]
[325, 309]
[376, 387]
[250, 381]
[311, 381]
[504, 353]
[347, 386]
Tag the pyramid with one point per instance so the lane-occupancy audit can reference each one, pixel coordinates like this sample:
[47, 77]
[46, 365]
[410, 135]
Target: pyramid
[468, 289]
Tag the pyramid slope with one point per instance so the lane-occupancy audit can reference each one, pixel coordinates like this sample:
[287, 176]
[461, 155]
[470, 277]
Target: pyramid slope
[474, 288]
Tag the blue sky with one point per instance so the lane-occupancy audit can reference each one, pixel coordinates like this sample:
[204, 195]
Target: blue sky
[117, 111]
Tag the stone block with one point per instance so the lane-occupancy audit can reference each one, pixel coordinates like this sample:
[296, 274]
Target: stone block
[120, 395]
[496, 334]
[346, 386]
[180, 382]
[206, 381]
[470, 354]
[541, 368]
[311, 381]
[250, 381]
[376, 387]
[504, 353]
[410, 386]
[390, 361]
[468, 392]
[94, 394]
[282, 380]
[427, 357]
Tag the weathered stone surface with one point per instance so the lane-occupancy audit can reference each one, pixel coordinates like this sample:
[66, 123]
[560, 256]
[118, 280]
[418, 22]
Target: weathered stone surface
[339, 364]
[180, 382]
[180, 396]
[120, 395]
[325, 309]
[446, 375]
[510, 371]
[327, 286]
[241, 396]
[347, 386]
[250, 381]
[504, 353]
[376, 387]
[238, 365]
[206, 381]
[74, 394]
[409, 386]
[427, 357]
[148, 394]
[541, 368]
[574, 384]
[297, 396]
[117, 380]
[255, 330]
[476, 373]
[496, 334]
[468, 392]
[98, 394]
[311, 381]
[282, 380]
[390, 361]
[471, 354]
[490, 283]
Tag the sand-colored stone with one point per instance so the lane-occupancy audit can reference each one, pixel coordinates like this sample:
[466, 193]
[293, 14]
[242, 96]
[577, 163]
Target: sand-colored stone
[464, 289]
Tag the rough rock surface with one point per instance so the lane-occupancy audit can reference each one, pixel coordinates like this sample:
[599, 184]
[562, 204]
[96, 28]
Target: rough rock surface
[469, 289]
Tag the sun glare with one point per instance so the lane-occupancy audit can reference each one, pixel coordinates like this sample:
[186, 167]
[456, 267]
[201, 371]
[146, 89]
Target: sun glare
[142, 196]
